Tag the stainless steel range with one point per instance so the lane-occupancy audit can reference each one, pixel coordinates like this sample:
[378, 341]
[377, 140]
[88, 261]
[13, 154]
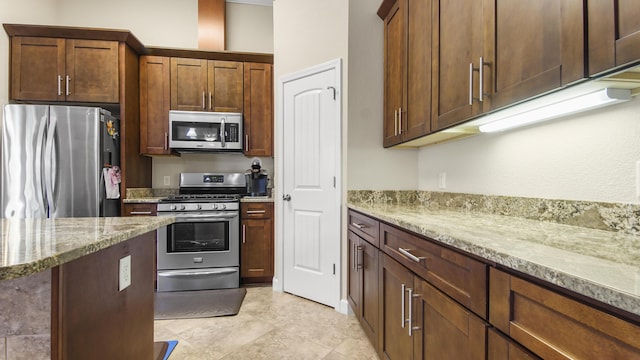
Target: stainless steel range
[201, 250]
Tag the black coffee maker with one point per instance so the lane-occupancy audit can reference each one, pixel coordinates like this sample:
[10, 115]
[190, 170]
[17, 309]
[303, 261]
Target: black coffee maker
[257, 179]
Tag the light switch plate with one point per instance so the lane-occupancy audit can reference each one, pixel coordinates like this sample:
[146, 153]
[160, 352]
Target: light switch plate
[124, 273]
[167, 180]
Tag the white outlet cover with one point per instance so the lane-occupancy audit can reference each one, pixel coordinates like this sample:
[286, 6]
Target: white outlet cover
[167, 180]
[124, 273]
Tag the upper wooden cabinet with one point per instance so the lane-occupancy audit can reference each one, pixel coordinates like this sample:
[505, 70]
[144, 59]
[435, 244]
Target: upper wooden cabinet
[407, 77]
[154, 105]
[614, 34]
[56, 69]
[493, 53]
[206, 85]
[258, 109]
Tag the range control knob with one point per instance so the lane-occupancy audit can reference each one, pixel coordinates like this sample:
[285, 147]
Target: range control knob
[173, 207]
[214, 206]
[198, 207]
[223, 206]
[182, 207]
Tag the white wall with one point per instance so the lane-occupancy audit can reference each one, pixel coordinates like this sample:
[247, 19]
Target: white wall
[249, 28]
[369, 165]
[587, 157]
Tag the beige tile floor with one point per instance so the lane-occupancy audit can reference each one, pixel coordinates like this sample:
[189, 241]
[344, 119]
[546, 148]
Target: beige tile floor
[270, 325]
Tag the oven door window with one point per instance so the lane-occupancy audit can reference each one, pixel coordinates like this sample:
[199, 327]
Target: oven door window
[198, 237]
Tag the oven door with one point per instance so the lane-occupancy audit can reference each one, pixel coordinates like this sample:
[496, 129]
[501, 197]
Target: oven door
[200, 131]
[200, 240]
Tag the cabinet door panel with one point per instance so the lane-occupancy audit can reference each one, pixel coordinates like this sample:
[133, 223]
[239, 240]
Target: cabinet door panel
[628, 41]
[354, 279]
[369, 289]
[525, 311]
[155, 101]
[258, 109]
[225, 86]
[502, 348]
[448, 330]
[188, 84]
[92, 67]
[257, 249]
[457, 43]
[394, 340]
[36, 64]
[394, 76]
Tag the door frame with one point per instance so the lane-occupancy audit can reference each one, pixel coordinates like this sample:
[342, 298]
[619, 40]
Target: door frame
[278, 280]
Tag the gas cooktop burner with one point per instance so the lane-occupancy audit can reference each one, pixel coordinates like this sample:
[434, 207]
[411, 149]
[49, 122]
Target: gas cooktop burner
[202, 198]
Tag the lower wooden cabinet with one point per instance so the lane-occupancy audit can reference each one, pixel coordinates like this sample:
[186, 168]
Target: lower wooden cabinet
[140, 209]
[421, 322]
[256, 247]
[554, 326]
[363, 285]
[500, 347]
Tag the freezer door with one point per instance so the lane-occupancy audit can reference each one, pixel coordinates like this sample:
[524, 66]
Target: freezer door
[23, 141]
[72, 162]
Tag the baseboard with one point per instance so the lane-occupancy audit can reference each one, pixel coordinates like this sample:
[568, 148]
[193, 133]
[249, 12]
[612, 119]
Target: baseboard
[344, 307]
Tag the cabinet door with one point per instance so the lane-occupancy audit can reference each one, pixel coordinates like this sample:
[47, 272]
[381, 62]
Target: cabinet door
[628, 32]
[188, 84]
[614, 34]
[417, 119]
[395, 281]
[37, 68]
[457, 48]
[92, 70]
[155, 102]
[503, 348]
[554, 326]
[225, 86]
[256, 250]
[443, 328]
[367, 258]
[532, 47]
[394, 72]
[354, 278]
[258, 109]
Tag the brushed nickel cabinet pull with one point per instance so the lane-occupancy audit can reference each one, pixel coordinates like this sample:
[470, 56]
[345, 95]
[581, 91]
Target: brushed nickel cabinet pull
[68, 84]
[249, 212]
[244, 233]
[359, 226]
[59, 85]
[400, 120]
[403, 288]
[406, 253]
[140, 213]
[471, 84]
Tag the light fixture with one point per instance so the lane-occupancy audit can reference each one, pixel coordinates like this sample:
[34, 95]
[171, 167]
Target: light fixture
[510, 119]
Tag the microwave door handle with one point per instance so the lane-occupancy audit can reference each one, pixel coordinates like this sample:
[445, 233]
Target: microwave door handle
[223, 131]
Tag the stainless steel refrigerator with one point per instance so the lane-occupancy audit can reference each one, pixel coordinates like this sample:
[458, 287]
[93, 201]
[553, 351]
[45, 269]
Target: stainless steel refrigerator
[53, 159]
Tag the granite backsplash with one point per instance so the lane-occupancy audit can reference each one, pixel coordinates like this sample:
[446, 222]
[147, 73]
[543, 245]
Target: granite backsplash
[617, 217]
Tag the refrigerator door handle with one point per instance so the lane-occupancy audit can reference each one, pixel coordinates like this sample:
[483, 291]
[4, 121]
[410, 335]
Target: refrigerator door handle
[50, 163]
[40, 163]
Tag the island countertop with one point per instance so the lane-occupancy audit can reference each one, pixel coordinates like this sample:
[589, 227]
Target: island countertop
[29, 246]
[602, 265]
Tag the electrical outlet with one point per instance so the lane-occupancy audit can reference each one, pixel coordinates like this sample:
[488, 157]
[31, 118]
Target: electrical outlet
[124, 273]
[442, 180]
[167, 180]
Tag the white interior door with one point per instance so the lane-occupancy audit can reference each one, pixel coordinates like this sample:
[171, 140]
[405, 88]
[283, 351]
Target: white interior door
[310, 187]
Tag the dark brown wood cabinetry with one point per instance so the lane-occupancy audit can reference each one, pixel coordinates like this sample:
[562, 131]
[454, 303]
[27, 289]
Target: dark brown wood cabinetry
[614, 34]
[206, 85]
[140, 209]
[155, 101]
[494, 53]
[258, 109]
[58, 69]
[554, 326]
[500, 347]
[407, 43]
[256, 248]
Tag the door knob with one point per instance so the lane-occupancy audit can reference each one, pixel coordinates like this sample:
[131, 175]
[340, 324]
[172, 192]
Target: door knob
[286, 197]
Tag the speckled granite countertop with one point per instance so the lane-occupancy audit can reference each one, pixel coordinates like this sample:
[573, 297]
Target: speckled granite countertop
[599, 264]
[29, 246]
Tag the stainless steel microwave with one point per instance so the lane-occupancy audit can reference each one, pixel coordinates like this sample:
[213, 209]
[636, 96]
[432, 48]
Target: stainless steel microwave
[205, 131]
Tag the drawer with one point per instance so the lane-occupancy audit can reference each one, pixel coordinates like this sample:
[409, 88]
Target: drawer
[457, 275]
[256, 210]
[554, 326]
[364, 226]
[140, 209]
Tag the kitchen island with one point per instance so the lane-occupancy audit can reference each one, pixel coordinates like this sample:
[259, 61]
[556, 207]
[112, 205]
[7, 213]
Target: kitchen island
[60, 290]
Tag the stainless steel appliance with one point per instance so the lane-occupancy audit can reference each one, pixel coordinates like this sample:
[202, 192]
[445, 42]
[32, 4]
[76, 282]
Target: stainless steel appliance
[205, 131]
[201, 250]
[53, 159]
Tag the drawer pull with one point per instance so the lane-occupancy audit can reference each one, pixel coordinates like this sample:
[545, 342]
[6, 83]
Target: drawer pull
[359, 226]
[140, 213]
[250, 212]
[406, 253]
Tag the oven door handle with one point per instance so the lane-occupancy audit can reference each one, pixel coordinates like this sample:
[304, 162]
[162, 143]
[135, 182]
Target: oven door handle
[196, 273]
